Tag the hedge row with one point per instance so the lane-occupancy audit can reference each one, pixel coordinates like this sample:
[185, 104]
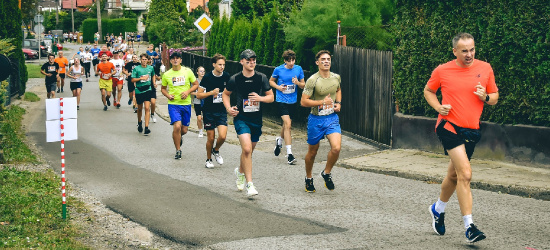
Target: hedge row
[117, 26]
[10, 27]
[512, 35]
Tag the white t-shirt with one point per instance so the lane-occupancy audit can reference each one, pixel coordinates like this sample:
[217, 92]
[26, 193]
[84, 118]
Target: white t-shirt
[119, 65]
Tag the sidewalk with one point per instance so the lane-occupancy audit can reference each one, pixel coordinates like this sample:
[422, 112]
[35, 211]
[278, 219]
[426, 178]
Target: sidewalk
[497, 176]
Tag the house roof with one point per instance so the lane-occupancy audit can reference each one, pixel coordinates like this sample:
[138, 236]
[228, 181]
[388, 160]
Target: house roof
[195, 3]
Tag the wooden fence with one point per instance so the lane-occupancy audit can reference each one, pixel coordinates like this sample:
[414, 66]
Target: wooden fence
[366, 91]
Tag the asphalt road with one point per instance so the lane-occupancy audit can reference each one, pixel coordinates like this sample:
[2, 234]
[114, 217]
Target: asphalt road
[137, 176]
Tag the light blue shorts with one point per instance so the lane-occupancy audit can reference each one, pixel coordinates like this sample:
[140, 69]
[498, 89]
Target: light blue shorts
[320, 126]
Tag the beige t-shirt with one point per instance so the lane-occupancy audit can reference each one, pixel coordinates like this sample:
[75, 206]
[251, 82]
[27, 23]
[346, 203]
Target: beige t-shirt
[318, 88]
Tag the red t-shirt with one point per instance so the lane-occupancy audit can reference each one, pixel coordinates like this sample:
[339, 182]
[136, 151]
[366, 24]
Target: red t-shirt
[457, 88]
[106, 68]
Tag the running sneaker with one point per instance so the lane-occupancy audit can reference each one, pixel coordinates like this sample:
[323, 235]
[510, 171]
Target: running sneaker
[117, 105]
[309, 185]
[108, 102]
[328, 180]
[278, 146]
[135, 109]
[473, 234]
[201, 135]
[153, 118]
[438, 220]
[105, 108]
[218, 157]
[209, 163]
[61, 89]
[140, 128]
[58, 89]
[250, 189]
[130, 101]
[240, 179]
[147, 131]
[290, 159]
[178, 155]
[77, 107]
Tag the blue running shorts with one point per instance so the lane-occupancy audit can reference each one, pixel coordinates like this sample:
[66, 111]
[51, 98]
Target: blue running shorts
[246, 127]
[320, 126]
[180, 113]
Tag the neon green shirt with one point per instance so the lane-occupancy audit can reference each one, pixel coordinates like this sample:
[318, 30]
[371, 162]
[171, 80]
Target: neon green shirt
[178, 82]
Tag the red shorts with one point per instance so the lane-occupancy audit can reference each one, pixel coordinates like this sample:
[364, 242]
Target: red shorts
[116, 82]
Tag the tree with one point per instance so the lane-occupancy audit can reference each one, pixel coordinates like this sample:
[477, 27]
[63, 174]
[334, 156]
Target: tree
[166, 21]
[28, 9]
[10, 18]
[214, 8]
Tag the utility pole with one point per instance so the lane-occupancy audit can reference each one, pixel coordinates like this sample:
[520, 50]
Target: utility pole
[72, 14]
[98, 3]
[56, 13]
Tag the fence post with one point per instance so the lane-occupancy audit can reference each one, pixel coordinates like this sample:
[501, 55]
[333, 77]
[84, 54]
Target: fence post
[338, 33]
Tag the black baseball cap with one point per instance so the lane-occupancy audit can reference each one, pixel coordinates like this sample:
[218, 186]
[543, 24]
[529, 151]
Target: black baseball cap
[247, 54]
[175, 54]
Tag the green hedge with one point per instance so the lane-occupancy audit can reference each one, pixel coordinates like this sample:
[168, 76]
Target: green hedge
[512, 35]
[10, 27]
[117, 26]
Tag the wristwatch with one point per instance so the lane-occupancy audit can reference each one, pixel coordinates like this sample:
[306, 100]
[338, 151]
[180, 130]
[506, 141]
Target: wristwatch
[487, 98]
[338, 102]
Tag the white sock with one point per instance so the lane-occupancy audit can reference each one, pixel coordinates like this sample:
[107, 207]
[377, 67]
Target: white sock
[279, 141]
[467, 220]
[200, 131]
[288, 149]
[440, 206]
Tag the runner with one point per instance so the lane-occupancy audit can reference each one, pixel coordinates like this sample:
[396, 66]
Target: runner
[198, 103]
[251, 89]
[95, 53]
[105, 50]
[75, 74]
[87, 61]
[131, 85]
[154, 89]
[177, 84]
[284, 79]
[152, 53]
[105, 69]
[50, 69]
[128, 56]
[466, 86]
[118, 78]
[318, 94]
[63, 63]
[142, 76]
[211, 90]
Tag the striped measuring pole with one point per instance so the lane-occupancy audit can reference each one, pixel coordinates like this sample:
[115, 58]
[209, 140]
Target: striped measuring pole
[64, 206]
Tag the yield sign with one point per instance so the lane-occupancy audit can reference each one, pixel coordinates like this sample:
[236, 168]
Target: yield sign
[204, 23]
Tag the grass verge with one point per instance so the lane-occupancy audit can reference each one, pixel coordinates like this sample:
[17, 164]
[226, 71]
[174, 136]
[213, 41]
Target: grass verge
[34, 70]
[12, 146]
[30, 212]
[31, 97]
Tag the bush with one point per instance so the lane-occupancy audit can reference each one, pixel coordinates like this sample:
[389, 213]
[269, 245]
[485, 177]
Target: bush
[120, 25]
[512, 35]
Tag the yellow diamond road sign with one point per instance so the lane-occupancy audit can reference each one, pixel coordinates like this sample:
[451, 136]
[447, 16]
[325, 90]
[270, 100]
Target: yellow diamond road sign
[204, 23]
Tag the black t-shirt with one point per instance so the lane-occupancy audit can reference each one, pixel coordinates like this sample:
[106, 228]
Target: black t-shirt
[50, 69]
[129, 67]
[245, 85]
[209, 82]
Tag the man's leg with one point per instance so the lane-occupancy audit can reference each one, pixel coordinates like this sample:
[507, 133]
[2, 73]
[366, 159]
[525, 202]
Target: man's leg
[58, 83]
[139, 112]
[153, 105]
[463, 173]
[176, 134]
[210, 136]
[114, 93]
[247, 147]
[222, 134]
[103, 98]
[335, 140]
[310, 158]
[62, 83]
[147, 105]
[119, 89]
[285, 130]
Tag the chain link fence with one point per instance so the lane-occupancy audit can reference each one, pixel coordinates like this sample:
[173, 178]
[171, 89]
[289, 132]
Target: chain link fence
[367, 37]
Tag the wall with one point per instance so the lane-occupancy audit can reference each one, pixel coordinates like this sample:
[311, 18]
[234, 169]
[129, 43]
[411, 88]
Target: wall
[515, 143]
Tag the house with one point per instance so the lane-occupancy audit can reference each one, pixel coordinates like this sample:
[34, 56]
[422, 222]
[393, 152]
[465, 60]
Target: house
[79, 5]
[225, 8]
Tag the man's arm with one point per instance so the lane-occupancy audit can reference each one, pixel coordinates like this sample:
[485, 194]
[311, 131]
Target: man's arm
[432, 100]
[338, 100]
[185, 94]
[273, 84]
[226, 97]
[201, 94]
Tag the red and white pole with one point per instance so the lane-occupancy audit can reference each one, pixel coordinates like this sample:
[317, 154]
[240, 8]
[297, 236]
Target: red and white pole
[64, 206]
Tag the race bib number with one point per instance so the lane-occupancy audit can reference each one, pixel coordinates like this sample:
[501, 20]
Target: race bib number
[251, 106]
[326, 109]
[178, 81]
[105, 76]
[218, 99]
[147, 79]
[289, 89]
[51, 68]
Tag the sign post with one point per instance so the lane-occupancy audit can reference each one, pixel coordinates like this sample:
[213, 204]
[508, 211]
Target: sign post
[61, 125]
[204, 23]
[38, 29]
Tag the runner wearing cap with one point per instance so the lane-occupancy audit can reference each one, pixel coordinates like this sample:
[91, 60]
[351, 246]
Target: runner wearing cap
[251, 89]
[177, 85]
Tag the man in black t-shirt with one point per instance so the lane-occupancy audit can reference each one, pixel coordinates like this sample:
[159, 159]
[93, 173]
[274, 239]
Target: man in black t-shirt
[251, 88]
[50, 69]
[211, 89]
[131, 86]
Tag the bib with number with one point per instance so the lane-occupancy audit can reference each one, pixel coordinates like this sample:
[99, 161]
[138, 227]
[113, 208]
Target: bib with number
[218, 99]
[178, 81]
[105, 76]
[326, 109]
[51, 68]
[145, 80]
[289, 89]
[250, 106]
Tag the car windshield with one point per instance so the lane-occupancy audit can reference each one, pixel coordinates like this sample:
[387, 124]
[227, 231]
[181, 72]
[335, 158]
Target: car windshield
[30, 44]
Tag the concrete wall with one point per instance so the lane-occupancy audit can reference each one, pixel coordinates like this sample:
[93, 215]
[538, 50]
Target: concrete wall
[515, 143]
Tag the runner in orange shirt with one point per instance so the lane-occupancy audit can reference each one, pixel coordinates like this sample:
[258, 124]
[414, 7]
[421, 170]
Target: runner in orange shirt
[63, 63]
[105, 70]
[466, 86]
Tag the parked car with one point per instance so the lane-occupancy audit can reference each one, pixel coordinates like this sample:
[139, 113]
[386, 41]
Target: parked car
[48, 44]
[33, 44]
[30, 54]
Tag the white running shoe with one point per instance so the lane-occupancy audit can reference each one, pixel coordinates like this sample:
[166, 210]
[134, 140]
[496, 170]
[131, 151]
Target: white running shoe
[201, 135]
[154, 118]
[251, 190]
[209, 163]
[240, 179]
[218, 157]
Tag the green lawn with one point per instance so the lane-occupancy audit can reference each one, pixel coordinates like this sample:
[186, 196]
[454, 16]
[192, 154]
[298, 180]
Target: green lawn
[34, 71]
